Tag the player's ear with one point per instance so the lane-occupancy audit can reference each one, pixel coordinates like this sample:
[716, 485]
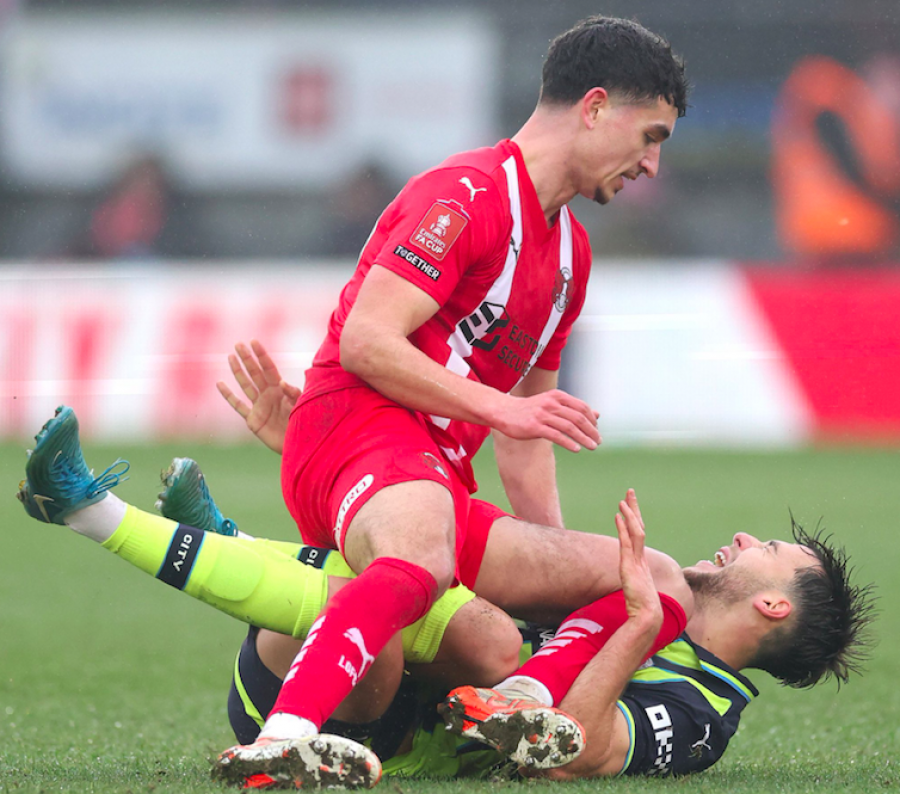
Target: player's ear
[593, 103]
[772, 604]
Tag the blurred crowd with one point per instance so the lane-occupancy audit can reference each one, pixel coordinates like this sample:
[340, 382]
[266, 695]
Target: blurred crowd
[791, 158]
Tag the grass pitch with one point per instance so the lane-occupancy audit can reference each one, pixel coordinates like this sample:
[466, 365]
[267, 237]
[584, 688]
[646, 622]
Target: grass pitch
[111, 682]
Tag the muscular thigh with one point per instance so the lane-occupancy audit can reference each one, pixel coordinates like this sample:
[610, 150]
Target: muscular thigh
[413, 521]
[541, 573]
[347, 449]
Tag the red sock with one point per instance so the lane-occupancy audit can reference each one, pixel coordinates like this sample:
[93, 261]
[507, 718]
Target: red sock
[585, 632]
[357, 623]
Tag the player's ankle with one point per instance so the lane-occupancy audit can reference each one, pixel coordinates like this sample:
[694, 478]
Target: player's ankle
[100, 520]
[287, 726]
[524, 686]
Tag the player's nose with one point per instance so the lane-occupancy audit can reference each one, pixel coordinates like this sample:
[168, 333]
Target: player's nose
[650, 162]
[744, 540]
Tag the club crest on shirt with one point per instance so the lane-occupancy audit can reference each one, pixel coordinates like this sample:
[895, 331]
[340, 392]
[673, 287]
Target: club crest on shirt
[438, 230]
[562, 289]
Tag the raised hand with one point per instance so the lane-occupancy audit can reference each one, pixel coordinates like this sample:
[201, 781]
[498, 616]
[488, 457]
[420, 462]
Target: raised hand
[641, 596]
[271, 398]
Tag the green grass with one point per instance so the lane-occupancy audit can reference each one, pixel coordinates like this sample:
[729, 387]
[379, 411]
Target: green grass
[110, 682]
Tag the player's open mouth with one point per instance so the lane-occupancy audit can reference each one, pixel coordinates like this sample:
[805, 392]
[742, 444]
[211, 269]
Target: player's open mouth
[719, 560]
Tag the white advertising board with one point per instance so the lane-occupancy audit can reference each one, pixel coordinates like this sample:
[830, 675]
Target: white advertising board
[244, 100]
[678, 353]
[670, 355]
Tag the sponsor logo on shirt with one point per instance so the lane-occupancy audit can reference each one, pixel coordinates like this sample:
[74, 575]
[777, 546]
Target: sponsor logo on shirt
[487, 320]
[416, 261]
[519, 350]
[489, 325]
[661, 723]
[438, 230]
[562, 289]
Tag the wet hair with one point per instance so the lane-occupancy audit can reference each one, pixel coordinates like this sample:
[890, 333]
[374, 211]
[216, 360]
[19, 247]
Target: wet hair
[620, 55]
[828, 634]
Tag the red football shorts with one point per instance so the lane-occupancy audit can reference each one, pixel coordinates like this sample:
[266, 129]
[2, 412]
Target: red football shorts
[342, 447]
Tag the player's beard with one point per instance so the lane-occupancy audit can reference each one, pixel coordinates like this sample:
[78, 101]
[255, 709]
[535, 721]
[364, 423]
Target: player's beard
[726, 587]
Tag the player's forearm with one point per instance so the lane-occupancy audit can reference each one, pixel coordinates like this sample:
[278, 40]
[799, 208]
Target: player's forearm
[390, 364]
[592, 699]
[528, 472]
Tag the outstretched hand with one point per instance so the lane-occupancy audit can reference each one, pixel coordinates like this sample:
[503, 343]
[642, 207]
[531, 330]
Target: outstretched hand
[641, 596]
[554, 415]
[271, 398]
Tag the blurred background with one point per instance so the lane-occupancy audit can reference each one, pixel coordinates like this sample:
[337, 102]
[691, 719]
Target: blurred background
[178, 175]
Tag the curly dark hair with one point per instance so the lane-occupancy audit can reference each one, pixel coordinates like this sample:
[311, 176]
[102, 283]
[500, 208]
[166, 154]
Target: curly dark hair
[828, 635]
[619, 55]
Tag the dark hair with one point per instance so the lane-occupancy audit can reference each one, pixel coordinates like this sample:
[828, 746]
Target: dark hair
[616, 54]
[828, 633]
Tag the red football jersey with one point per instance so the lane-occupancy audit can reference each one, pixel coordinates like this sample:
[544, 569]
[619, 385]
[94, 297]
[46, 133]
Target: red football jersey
[472, 234]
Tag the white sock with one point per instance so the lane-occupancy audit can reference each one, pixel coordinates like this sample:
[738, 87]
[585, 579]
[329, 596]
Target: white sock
[99, 520]
[528, 686]
[287, 726]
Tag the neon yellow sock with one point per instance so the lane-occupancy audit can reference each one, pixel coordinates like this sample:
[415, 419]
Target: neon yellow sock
[259, 581]
[254, 582]
[328, 560]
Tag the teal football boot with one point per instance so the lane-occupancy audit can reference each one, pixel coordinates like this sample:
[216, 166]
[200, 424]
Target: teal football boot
[186, 499]
[57, 480]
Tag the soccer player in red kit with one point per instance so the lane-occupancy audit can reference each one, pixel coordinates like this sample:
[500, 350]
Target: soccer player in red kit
[452, 326]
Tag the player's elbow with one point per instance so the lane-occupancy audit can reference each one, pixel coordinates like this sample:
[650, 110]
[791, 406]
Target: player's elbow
[359, 349]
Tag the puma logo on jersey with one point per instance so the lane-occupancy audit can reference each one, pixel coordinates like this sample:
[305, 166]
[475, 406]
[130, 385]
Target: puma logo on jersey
[472, 189]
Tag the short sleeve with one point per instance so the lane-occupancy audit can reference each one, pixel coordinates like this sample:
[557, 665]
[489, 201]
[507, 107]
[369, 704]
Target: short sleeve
[443, 224]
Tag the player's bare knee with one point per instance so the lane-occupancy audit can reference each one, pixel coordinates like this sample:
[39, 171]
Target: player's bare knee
[482, 626]
[441, 567]
[504, 659]
[443, 570]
